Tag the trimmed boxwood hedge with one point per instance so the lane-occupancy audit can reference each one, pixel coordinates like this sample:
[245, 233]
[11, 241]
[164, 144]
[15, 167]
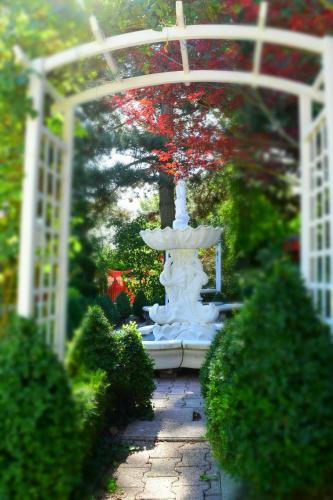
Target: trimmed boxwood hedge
[121, 355]
[109, 308]
[132, 382]
[93, 347]
[40, 453]
[269, 393]
[90, 393]
[139, 302]
[204, 371]
[123, 305]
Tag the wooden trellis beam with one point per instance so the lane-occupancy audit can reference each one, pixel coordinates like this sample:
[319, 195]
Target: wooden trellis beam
[319, 81]
[258, 48]
[100, 38]
[183, 45]
[23, 59]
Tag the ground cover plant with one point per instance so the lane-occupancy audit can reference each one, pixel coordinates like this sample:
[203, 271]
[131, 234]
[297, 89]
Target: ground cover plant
[269, 397]
[40, 452]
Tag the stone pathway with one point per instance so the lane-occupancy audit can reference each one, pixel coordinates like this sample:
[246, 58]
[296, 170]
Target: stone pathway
[173, 459]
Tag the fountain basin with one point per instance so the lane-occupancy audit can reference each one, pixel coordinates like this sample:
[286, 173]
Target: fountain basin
[171, 354]
[188, 238]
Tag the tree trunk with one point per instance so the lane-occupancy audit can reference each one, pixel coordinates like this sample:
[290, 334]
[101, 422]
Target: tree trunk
[166, 188]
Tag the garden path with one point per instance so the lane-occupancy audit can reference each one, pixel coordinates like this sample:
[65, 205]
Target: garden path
[173, 460]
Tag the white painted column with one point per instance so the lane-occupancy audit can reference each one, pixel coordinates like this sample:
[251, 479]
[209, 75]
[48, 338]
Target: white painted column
[218, 268]
[25, 302]
[304, 124]
[66, 191]
[328, 90]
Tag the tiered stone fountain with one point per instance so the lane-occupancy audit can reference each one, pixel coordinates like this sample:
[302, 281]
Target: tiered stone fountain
[183, 328]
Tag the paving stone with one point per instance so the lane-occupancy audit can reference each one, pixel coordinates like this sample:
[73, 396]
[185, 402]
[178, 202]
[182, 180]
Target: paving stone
[178, 453]
[175, 403]
[193, 402]
[178, 415]
[198, 446]
[163, 467]
[189, 492]
[190, 476]
[161, 403]
[163, 383]
[160, 394]
[215, 486]
[124, 494]
[175, 397]
[213, 470]
[178, 390]
[194, 458]
[166, 450]
[213, 493]
[193, 393]
[130, 477]
[158, 488]
[193, 383]
[145, 430]
[182, 432]
[137, 459]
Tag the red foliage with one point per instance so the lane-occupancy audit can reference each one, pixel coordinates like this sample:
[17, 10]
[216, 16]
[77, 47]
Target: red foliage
[195, 136]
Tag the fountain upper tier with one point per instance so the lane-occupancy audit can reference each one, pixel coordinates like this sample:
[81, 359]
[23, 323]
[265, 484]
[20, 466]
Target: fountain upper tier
[172, 239]
[181, 236]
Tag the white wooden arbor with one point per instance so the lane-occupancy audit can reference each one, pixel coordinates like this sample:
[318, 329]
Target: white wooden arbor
[43, 266]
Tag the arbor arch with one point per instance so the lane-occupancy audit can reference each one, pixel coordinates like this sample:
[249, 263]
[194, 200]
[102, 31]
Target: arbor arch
[43, 266]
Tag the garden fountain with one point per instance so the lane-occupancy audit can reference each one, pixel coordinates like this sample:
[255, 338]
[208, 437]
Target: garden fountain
[184, 327]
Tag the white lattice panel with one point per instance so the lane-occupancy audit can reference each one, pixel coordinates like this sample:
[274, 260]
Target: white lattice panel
[320, 226]
[46, 265]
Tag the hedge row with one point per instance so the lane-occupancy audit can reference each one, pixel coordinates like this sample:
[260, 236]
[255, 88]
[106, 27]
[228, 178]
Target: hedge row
[121, 356]
[268, 392]
[116, 312]
[50, 422]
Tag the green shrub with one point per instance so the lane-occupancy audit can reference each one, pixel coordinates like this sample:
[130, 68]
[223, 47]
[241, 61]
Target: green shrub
[90, 393]
[133, 383]
[139, 302]
[204, 371]
[93, 346]
[157, 299]
[77, 307]
[39, 444]
[110, 310]
[121, 356]
[270, 398]
[123, 305]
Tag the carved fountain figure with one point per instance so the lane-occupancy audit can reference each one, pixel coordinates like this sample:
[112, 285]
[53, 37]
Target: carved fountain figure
[184, 317]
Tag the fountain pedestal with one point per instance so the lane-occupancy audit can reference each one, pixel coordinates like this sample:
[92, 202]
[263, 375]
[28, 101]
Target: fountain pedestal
[184, 320]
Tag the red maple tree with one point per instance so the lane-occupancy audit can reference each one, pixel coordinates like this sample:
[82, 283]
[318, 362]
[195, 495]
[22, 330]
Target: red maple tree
[198, 121]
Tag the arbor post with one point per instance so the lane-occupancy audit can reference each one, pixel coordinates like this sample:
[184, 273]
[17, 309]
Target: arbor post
[328, 92]
[61, 296]
[28, 233]
[304, 124]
